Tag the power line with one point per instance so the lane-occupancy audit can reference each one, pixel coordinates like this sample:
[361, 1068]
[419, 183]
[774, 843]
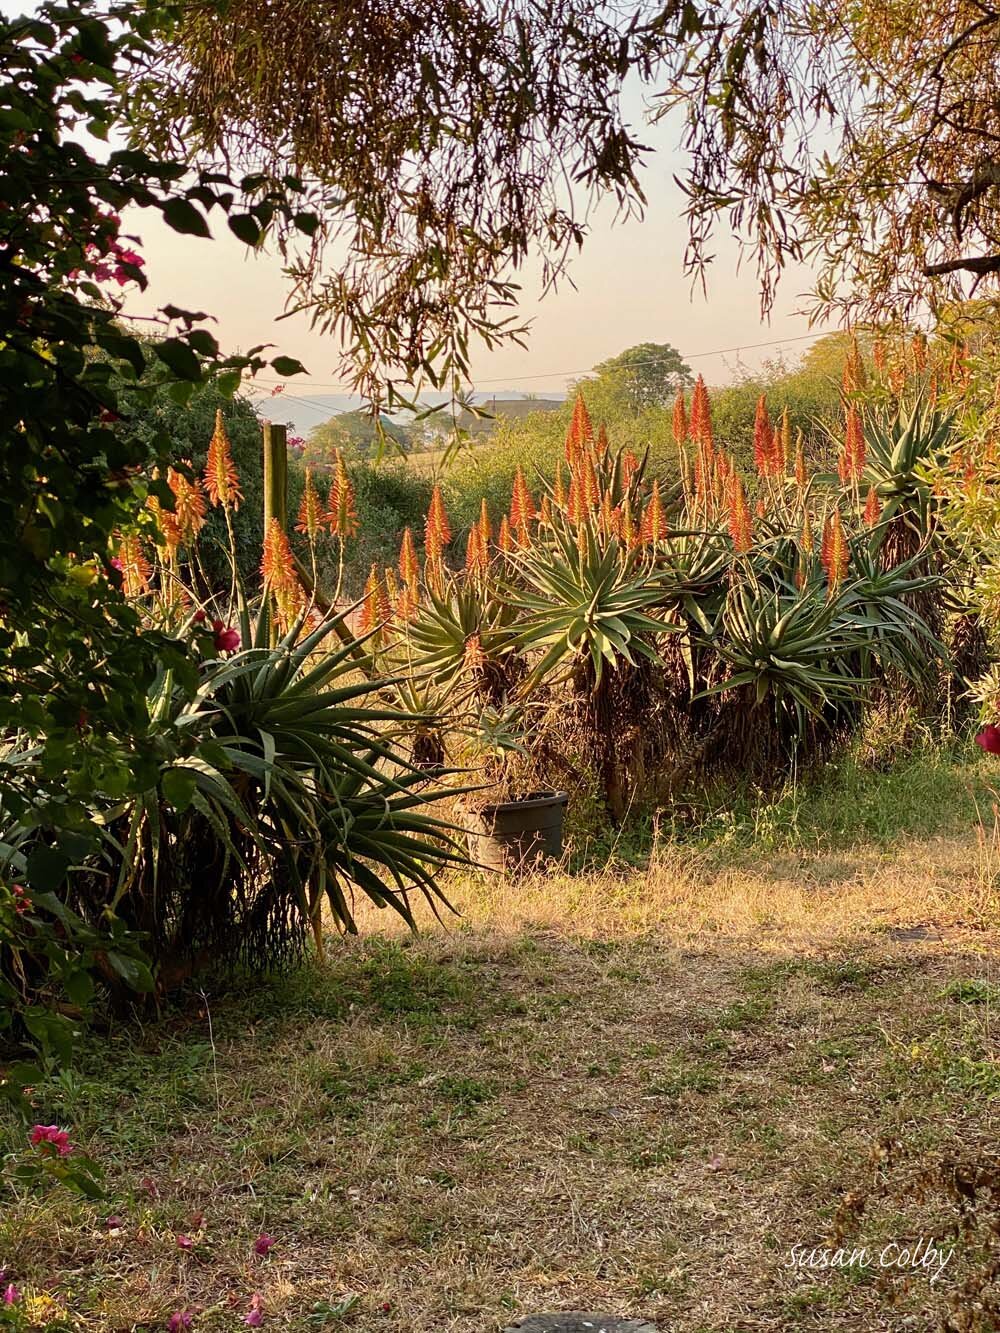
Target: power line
[555, 374]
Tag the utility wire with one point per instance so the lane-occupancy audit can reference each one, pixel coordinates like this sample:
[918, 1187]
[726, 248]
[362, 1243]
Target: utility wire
[555, 374]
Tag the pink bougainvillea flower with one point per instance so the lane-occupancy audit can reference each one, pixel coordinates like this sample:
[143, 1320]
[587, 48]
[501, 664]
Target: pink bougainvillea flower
[114, 1223]
[199, 617]
[989, 738]
[11, 1295]
[263, 1245]
[255, 1317]
[227, 639]
[386, 1307]
[53, 1136]
[178, 1321]
[184, 1242]
[115, 563]
[150, 1187]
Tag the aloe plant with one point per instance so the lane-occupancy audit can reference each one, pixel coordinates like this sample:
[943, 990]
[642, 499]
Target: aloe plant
[293, 791]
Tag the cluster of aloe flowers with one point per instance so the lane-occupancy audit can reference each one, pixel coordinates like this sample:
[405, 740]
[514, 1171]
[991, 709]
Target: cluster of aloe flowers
[772, 590]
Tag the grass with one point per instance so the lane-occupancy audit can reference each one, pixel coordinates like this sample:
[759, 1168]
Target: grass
[632, 1090]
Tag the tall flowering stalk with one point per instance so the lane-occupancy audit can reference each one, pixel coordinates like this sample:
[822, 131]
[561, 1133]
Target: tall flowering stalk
[522, 508]
[437, 529]
[801, 475]
[654, 524]
[873, 508]
[485, 526]
[277, 567]
[310, 516]
[851, 462]
[738, 515]
[222, 481]
[506, 538]
[409, 565]
[376, 611]
[136, 571]
[763, 439]
[189, 505]
[341, 514]
[680, 423]
[834, 551]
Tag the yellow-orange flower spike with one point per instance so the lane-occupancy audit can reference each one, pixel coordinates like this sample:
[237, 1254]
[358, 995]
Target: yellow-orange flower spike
[409, 568]
[406, 603]
[506, 539]
[189, 505]
[485, 526]
[601, 446]
[835, 550]
[654, 525]
[135, 568]
[341, 514]
[375, 608]
[522, 506]
[853, 378]
[545, 511]
[873, 507]
[763, 439]
[473, 659]
[166, 521]
[629, 467]
[880, 357]
[628, 534]
[851, 463]
[680, 424]
[783, 444]
[738, 515]
[576, 503]
[581, 428]
[221, 478]
[437, 530]
[311, 516]
[806, 541]
[701, 416]
[277, 562]
[476, 555]
[558, 489]
[918, 353]
[801, 475]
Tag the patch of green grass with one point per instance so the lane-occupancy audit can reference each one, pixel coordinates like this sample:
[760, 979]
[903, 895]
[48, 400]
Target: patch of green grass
[927, 793]
[680, 1076]
[971, 990]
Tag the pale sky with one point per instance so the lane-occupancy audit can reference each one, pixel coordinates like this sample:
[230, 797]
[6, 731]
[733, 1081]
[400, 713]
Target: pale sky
[629, 288]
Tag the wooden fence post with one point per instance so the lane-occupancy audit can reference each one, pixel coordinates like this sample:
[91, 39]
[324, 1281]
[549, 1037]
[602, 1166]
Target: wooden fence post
[275, 474]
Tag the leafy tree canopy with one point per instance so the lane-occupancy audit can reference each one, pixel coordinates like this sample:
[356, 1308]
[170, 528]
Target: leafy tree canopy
[647, 375]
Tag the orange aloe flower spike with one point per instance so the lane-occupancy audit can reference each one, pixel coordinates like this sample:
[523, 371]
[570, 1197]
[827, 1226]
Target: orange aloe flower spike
[189, 505]
[763, 439]
[680, 423]
[485, 526]
[738, 515]
[873, 508]
[221, 478]
[341, 514]
[310, 517]
[506, 540]
[653, 526]
[522, 506]
[409, 568]
[136, 569]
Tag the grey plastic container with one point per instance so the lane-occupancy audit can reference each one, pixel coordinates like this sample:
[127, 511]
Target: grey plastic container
[518, 835]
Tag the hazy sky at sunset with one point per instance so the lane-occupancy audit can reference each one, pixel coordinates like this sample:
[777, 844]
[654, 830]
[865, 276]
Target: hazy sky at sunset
[629, 288]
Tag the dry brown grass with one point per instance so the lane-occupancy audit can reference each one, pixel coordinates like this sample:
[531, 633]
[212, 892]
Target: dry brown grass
[629, 1092]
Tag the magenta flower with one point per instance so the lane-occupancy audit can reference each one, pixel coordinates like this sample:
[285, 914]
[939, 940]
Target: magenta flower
[185, 1242]
[178, 1321]
[989, 738]
[256, 1315]
[263, 1245]
[114, 1223]
[52, 1136]
[11, 1295]
[227, 639]
[199, 617]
